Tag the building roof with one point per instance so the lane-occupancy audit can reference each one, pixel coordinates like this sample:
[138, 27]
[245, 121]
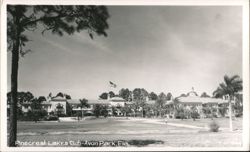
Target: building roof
[192, 94]
[197, 99]
[73, 101]
[58, 98]
[106, 102]
[43, 103]
[169, 102]
[117, 99]
[46, 103]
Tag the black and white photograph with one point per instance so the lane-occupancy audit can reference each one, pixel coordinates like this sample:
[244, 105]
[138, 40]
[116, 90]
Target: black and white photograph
[124, 76]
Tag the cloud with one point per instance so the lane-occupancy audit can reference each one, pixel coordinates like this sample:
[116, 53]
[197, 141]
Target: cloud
[96, 43]
[56, 44]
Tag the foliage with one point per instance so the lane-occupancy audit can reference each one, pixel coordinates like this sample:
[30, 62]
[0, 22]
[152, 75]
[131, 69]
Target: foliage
[204, 95]
[84, 103]
[68, 109]
[100, 110]
[59, 110]
[140, 94]
[209, 111]
[180, 113]
[194, 113]
[41, 98]
[138, 107]
[67, 96]
[60, 94]
[63, 95]
[153, 96]
[139, 100]
[33, 115]
[97, 110]
[230, 86]
[162, 98]
[58, 19]
[104, 96]
[214, 127]
[35, 104]
[223, 110]
[111, 94]
[126, 110]
[125, 94]
[238, 106]
[21, 96]
[104, 111]
[51, 118]
[169, 96]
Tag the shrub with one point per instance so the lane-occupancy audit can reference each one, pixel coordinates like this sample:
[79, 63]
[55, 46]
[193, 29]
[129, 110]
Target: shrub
[194, 115]
[214, 127]
[51, 118]
[238, 115]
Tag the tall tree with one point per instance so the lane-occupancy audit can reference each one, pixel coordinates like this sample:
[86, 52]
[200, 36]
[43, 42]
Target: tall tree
[162, 98]
[104, 96]
[111, 94]
[41, 99]
[125, 94]
[139, 97]
[153, 96]
[140, 94]
[84, 104]
[21, 97]
[229, 87]
[36, 109]
[60, 94]
[67, 96]
[169, 96]
[97, 110]
[58, 19]
[205, 95]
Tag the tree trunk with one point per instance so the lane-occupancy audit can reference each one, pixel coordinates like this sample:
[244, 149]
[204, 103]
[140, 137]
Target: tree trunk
[82, 112]
[142, 112]
[230, 115]
[14, 82]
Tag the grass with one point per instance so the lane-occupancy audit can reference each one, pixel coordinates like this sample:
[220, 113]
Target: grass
[135, 133]
[222, 122]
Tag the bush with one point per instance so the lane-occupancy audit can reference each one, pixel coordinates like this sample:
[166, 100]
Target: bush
[214, 127]
[51, 118]
[195, 115]
[238, 115]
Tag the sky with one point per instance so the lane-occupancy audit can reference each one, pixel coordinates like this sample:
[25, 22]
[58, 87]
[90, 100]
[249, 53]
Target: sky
[159, 48]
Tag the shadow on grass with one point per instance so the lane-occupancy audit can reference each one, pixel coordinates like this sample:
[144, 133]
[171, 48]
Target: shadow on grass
[141, 143]
[120, 143]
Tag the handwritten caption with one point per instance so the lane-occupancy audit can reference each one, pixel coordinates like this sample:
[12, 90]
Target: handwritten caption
[85, 143]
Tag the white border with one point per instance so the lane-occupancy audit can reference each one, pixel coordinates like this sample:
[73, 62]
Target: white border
[245, 35]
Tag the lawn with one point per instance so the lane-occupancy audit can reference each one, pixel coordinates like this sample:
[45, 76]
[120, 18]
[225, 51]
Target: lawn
[223, 122]
[136, 132]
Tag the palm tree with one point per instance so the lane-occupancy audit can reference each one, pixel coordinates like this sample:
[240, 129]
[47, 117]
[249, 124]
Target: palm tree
[229, 87]
[84, 103]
